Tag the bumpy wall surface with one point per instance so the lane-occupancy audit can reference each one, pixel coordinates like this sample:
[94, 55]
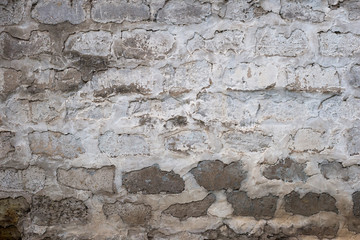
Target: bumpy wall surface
[179, 119]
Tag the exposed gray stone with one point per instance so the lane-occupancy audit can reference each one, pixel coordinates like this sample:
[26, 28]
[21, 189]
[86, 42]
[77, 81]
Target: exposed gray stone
[10, 179]
[144, 45]
[354, 76]
[115, 145]
[191, 209]
[309, 140]
[270, 42]
[330, 47]
[12, 210]
[119, 11]
[248, 141]
[152, 180]
[356, 202]
[185, 141]
[259, 208]
[31, 179]
[10, 80]
[184, 12]
[215, 175]
[310, 204]
[141, 80]
[353, 143]
[222, 42]
[47, 110]
[353, 8]
[333, 170]
[187, 77]
[133, 214]
[68, 80]
[286, 170]
[242, 10]
[6, 144]
[95, 43]
[55, 144]
[11, 12]
[59, 11]
[301, 10]
[13, 48]
[224, 233]
[96, 180]
[45, 211]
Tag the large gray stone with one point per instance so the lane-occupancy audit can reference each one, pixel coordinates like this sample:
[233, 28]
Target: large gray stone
[152, 180]
[93, 43]
[301, 10]
[45, 211]
[259, 208]
[96, 180]
[119, 11]
[310, 204]
[286, 170]
[59, 11]
[55, 144]
[13, 48]
[270, 42]
[115, 145]
[11, 12]
[215, 175]
[330, 47]
[133, 214]
[191, 209]
[144, 45]
[184, 12]
[6, 144]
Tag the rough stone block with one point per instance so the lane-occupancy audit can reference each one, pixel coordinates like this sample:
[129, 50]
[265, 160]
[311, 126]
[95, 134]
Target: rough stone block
[271, 42]
[59, 11]
[6, 144]
[308, 140]
[188, 77]
[250, 77]
[301, 10]
[248, 141]
[355, 76]
[191, 209]
[142, 80]
[152, 180]
[259, 208]
[313, 78]
[144, 45]
[353, 8]
[45, 212]
[47, 110]
[353, 136]
[242, 10]
[96, 180]
[286, 170]
[333, 170]
[115, 145]
[222, 42]
[184, 12]
[310, 204]
[30, 179]
[13, 48]
[94, 43]
[356, 202]
[133, 214]
[330, 47]
[215, 175]
[12, 210]
[11, 12]
[55, 144]
[185, 141]
[10, 80]
[68, 80]
[119, 11]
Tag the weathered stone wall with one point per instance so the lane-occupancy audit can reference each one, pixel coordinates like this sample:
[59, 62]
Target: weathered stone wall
[179, 119]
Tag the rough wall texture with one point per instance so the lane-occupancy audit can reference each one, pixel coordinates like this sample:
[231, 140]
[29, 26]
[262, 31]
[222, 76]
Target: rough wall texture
[179, 119]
